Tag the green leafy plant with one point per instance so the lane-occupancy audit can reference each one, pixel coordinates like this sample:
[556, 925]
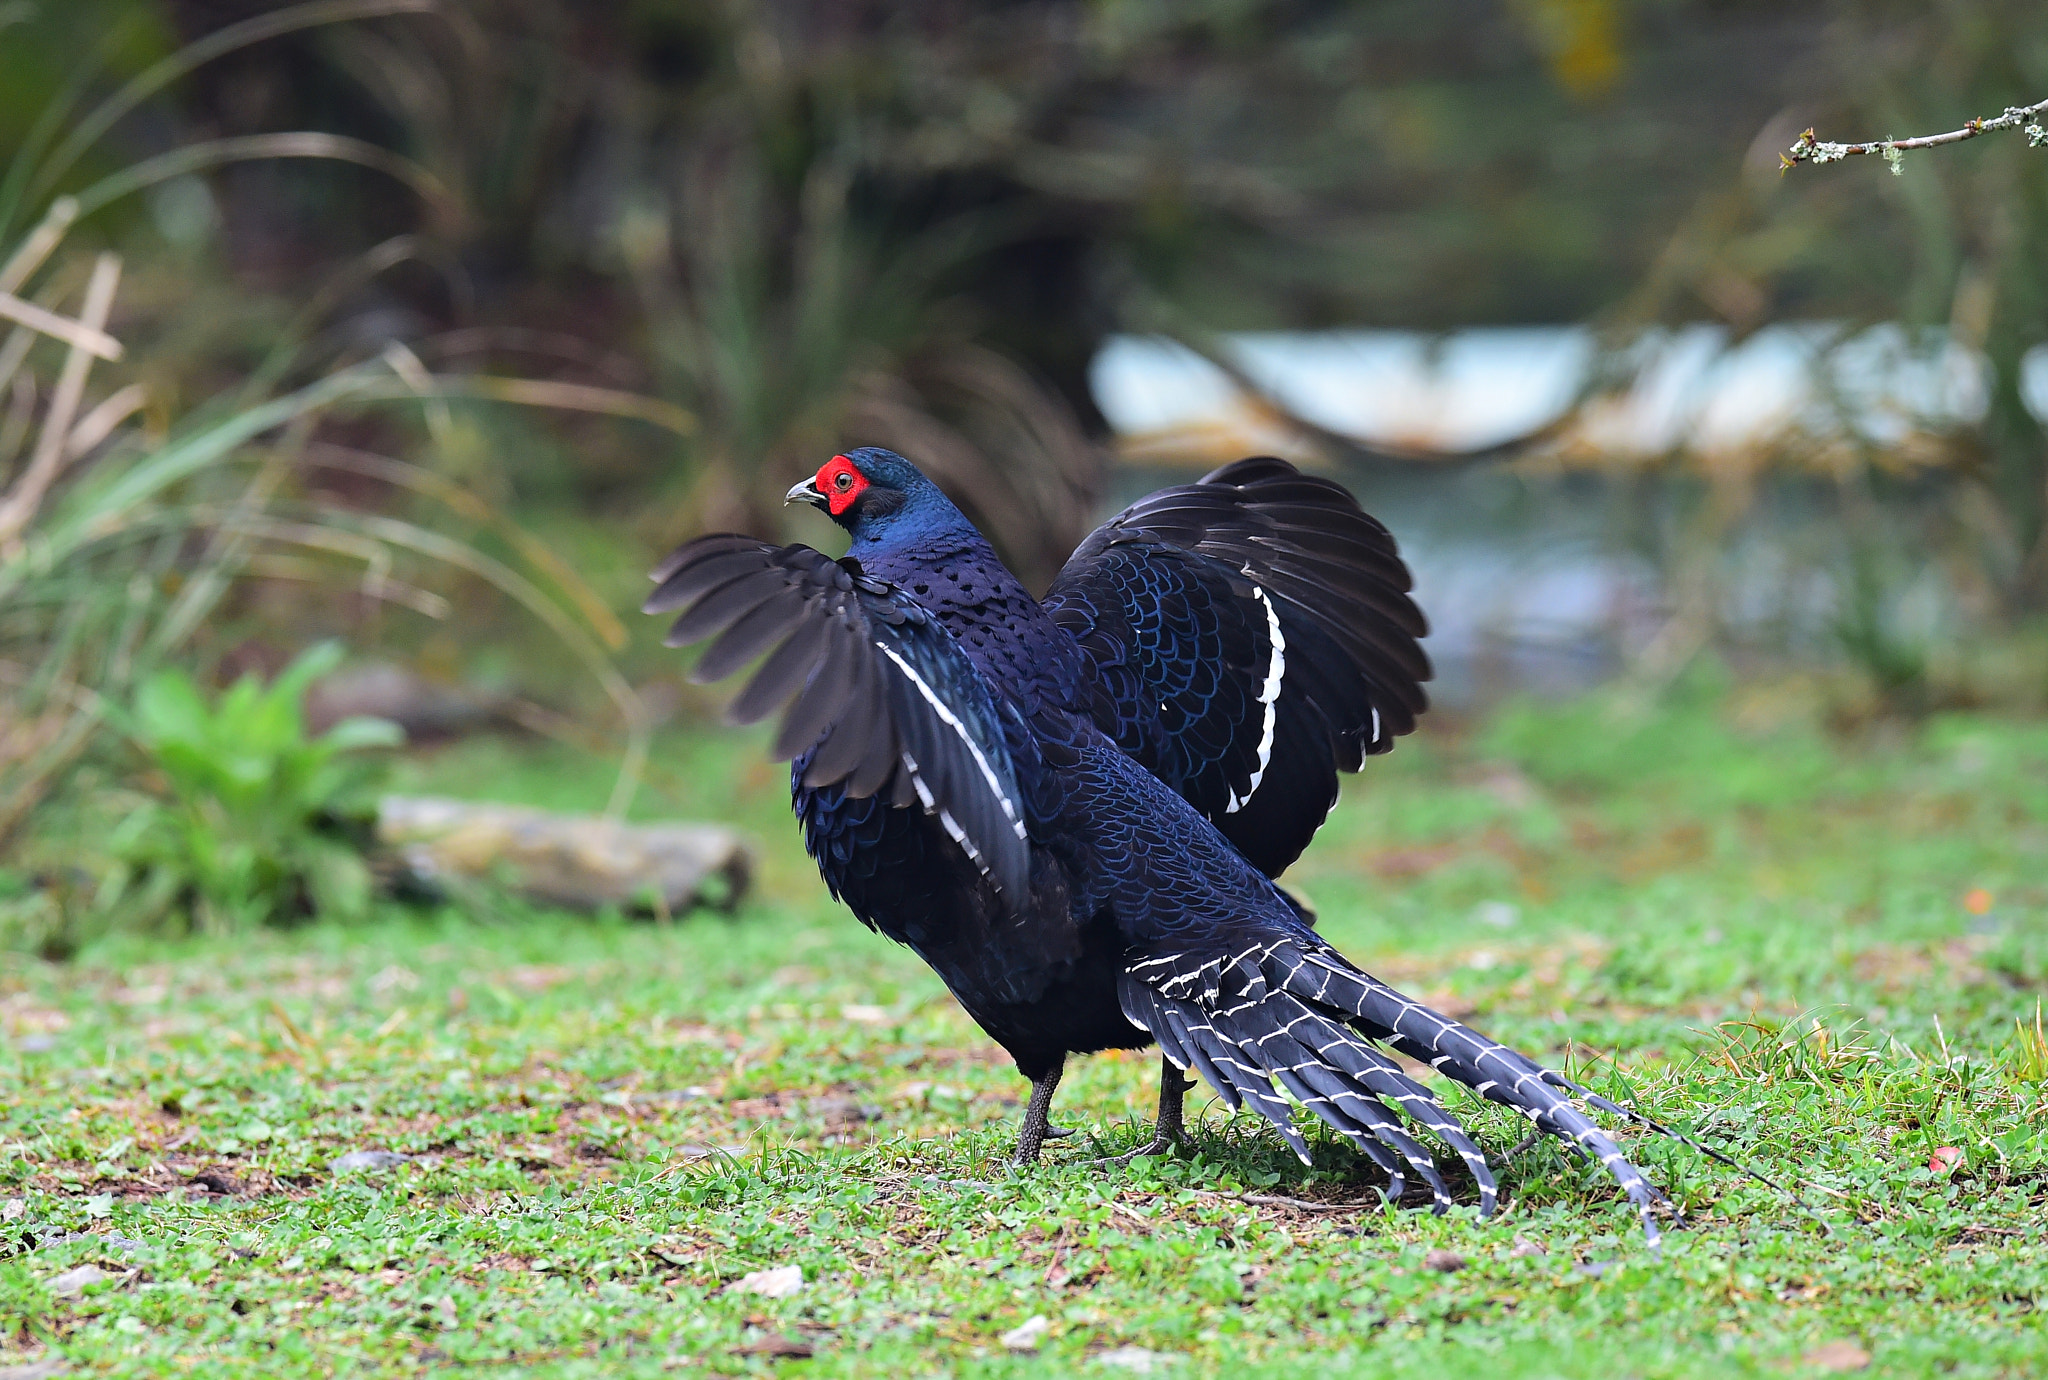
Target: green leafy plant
[130, 525]
[260, 823]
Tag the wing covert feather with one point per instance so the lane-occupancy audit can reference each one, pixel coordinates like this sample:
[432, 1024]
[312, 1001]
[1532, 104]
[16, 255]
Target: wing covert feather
[1253, 636]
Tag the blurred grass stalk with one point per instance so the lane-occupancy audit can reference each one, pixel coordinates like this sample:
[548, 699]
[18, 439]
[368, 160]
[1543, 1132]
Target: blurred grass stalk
[107, 570]
[117, 544]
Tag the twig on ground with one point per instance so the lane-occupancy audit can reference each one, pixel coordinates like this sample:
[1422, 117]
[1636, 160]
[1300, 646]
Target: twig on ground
[1281, 1200]
[1304, 1205]
[1808, 149]
[1136, 1216]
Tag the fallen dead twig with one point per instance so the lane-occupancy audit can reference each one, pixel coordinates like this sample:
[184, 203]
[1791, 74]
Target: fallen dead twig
[1282, 1200]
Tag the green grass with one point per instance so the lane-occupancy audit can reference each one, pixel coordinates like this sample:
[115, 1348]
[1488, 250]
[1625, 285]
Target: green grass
[1749, 927]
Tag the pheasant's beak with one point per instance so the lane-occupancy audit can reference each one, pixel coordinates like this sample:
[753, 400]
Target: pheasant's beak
[806, 492]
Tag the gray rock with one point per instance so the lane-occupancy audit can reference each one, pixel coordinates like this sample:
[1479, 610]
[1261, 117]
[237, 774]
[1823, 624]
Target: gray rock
[369, 1159]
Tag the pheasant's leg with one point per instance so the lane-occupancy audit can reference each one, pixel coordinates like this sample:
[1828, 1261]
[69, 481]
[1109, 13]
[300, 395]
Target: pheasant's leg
[1037, 1122]
[1170, 1129]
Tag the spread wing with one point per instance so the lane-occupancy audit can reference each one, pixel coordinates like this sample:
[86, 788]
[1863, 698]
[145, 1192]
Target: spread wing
[1253, 636]
[871, 687]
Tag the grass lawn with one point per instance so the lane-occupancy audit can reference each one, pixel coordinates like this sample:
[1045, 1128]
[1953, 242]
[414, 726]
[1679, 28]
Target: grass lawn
[1811, 950]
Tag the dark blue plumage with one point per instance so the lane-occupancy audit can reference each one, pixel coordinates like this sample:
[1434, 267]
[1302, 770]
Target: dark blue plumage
[1073, 810]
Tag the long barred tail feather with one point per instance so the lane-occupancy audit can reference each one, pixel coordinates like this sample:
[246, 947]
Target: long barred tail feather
[1298, 1013]
[1651, 1124]
[1241, 1048]
[1490, 1069]
[1328, 1070]
[1233, 1072]
[1199, 1041]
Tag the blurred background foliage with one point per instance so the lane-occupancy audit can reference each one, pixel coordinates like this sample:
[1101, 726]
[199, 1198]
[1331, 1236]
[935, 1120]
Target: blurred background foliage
[720, 238]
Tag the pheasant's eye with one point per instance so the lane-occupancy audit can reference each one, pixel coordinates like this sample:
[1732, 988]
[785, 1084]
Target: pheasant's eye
[843, 480]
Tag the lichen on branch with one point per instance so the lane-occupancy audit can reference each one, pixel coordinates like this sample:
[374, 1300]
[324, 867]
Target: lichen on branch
[1809, 149]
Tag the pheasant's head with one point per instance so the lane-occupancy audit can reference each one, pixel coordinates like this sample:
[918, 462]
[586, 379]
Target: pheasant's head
[876, 494]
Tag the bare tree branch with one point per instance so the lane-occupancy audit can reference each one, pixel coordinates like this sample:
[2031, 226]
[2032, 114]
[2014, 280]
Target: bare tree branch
[1812, 150]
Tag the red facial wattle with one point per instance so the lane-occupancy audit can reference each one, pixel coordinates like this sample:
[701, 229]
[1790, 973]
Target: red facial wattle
[841, 484]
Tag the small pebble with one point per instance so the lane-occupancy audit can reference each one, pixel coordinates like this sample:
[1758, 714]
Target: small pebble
[1028, 1335]
[1448, 1262]
[1837, 1357]
[778, 1283]
[120, 1245]
[690, 1094]
[74, 1282]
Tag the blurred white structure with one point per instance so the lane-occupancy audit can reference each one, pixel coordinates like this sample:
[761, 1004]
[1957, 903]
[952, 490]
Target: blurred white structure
[1524, 582]
[1688, 390]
